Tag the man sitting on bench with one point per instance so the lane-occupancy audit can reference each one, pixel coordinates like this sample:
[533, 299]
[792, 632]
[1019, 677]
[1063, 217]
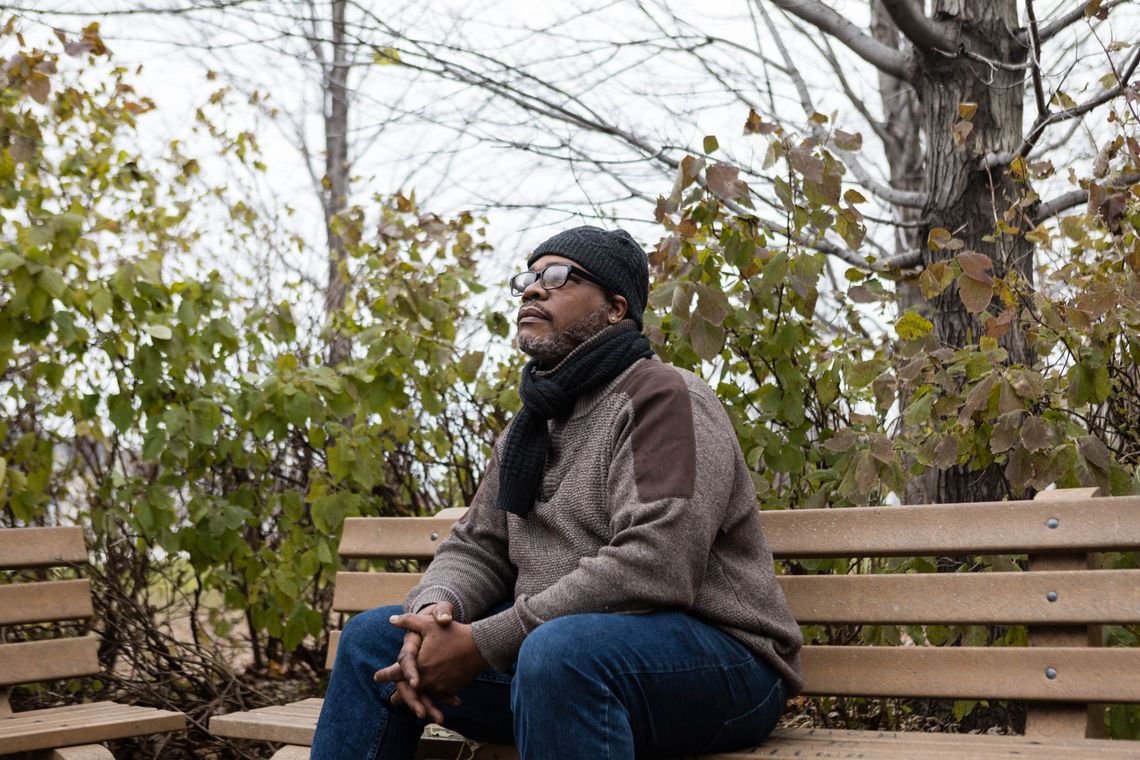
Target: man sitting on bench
[609, 593]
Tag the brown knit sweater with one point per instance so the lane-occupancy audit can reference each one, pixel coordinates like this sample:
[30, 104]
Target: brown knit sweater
[646, 503]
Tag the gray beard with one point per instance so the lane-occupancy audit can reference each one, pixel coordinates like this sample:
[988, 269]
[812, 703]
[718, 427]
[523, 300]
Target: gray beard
[548, 348]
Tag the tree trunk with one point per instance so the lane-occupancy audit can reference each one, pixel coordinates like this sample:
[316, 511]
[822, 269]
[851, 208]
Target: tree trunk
[336, 177]
[968, 200]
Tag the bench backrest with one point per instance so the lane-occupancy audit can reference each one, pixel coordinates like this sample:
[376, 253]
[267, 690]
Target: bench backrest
[1059, 597]
[43, 602]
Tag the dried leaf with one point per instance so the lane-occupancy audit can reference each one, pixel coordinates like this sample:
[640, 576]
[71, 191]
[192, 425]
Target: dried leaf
[997, 327]
[707, 338]
[842, 440]
[976, 399]
[967, 110]
[975, 294]
[1098, 301]
[724, 182]
[754, 125]
[39, 87]
[881, 448]
[848, 141]
[1095, 452]
[946, 453]
[1034, 435]
[976, 265]
[1005, 432]
[938, 238]
[1027, 383]
[867, 470]
[961, 131]
[1019, 469]
[935, 279]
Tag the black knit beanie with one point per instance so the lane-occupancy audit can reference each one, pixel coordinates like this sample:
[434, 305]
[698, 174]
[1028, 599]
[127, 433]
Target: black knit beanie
[610, 255]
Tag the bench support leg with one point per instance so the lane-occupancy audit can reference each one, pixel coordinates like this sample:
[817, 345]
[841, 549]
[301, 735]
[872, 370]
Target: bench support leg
[1064, 720]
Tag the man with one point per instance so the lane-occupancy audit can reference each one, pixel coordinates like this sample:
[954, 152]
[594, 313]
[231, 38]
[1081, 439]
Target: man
[609, 593]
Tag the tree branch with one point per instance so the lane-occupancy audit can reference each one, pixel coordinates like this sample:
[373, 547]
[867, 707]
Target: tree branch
[886, 59]
[1068, 200]
[926, 35]
[1035, 50]
[1047, 119]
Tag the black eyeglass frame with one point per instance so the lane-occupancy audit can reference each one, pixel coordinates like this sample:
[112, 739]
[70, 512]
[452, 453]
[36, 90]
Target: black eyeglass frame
[540, 277]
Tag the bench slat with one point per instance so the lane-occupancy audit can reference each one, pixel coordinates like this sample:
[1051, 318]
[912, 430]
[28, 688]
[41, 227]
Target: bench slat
[799, 743]
[41, 547]
[1082, 674]
[394, 537]
[42, 602]
[356, 592]
[83, 724]
[1094, 596]
[1000, 527]
[271, 724]
[48, 660]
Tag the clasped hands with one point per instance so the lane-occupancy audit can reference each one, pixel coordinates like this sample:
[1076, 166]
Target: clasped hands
[438, 658]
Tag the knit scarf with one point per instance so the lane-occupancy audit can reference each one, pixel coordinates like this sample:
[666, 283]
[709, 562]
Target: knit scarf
[552, 394]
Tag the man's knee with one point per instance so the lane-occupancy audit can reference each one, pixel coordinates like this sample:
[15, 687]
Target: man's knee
[564, 651]
[370, 638]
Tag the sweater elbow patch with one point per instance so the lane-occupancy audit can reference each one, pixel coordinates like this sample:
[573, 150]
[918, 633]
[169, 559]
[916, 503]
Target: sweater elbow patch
[664, 438]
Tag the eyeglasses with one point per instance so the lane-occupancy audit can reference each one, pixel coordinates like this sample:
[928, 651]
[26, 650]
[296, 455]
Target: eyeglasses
[551, 278]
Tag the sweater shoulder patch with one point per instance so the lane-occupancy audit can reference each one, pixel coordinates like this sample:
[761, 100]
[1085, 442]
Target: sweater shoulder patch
[664, 439]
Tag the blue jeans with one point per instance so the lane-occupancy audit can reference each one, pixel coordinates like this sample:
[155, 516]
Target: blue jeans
[589, 686]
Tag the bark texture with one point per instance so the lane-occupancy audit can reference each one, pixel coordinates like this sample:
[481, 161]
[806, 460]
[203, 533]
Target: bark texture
[966, 199]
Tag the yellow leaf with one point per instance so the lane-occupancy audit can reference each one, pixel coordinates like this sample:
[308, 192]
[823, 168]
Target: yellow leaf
[966, 111]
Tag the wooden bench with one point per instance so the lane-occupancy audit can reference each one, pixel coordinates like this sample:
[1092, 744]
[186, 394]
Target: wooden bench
[58, 733]
[1063, 675]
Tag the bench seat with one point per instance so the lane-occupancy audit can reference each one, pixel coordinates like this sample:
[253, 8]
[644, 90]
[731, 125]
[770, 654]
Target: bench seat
[81, 724]
[294, 724]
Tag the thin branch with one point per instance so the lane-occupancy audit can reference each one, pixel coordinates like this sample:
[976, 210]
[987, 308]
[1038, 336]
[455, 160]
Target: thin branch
[882, 57]
[1035, 59]
[1062, 23]
[926, 35]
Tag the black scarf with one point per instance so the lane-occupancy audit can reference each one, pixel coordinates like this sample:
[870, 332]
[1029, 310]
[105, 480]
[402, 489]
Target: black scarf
[552, 394]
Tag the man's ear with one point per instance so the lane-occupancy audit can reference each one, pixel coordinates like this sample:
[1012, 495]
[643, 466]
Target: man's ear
[619, 307]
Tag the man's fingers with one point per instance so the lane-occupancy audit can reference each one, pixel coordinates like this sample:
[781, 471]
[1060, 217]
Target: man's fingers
[390, 674]
[432, 711]
[416, 623]
[407, 695]
[407, 664]
[443, 613]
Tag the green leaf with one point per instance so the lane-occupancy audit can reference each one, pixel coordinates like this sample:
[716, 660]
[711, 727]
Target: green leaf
[11, 260]
[469, 365]
[161, 332]
[710, 144]
[120, 411]
[153, 444]
[860, 374]
[913, 326]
